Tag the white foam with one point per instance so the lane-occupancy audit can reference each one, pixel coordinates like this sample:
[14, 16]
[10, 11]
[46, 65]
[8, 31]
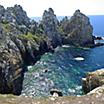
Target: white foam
[29, 67]
[79, 58]
[65, 46]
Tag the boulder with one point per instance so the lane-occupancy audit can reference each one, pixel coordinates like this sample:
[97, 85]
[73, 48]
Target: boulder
[93, 80]
[56, 92]
[98, 91]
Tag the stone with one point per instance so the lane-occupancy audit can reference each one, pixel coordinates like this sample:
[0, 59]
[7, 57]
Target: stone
[98, 91]
[55, 92]
[93, 80]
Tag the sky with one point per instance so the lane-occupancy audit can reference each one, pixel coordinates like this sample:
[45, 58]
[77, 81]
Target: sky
[61, 7]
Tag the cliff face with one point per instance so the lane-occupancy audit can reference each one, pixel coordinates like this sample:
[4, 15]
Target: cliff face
[22, 41]
[78, 30]
[11, 64]
[18, 48]
[16, 52]
[50, 26]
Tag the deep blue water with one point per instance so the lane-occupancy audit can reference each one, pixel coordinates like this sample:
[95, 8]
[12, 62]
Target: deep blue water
[98, 24]
[64, 72]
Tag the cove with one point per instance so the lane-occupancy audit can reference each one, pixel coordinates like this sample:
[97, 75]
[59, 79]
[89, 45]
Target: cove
[60, 70]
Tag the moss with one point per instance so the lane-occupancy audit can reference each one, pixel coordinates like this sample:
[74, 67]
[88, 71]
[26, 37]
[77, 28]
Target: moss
[6, 27]
[33, 37]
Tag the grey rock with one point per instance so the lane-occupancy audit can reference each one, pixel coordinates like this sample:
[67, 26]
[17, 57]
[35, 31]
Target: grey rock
[21, 16]
[11, 72]
[33, 27]
[16, 15]
[78, 29]
[50, 24]
[2, 11]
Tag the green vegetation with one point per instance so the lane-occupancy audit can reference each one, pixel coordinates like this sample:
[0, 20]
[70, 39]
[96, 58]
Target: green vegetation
[6, 27]
[33, 37]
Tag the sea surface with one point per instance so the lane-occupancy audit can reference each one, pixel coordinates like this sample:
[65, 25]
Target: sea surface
[62, 70]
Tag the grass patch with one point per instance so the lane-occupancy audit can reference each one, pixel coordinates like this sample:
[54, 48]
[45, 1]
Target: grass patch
[33, 37]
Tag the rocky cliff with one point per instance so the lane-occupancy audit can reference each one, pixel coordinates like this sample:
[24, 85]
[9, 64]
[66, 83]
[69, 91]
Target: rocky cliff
[78, 30]
[23, 41]
[50, 27]
[19, 47]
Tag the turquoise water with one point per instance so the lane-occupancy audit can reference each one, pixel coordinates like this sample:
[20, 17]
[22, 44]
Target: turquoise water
[60, 70]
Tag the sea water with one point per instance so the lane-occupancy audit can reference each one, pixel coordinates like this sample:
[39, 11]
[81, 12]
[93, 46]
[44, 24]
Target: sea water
[63, 70]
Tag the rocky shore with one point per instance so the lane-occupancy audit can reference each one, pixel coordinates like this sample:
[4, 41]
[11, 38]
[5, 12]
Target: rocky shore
[23, 41]
[88, 99]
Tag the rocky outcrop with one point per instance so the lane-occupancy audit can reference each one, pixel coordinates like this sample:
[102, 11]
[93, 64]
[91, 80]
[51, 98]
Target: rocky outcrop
[93, 80]
[18, 47]
[22, 42]
[16, 52]
[11, 67]
[97, 91]
[78, 30]
[50, 25]
[15, 15]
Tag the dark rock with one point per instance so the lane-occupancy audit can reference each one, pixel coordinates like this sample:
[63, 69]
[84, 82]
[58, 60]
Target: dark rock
[2, 11]
[16, 52]
[56, 92]
[98, 38]
[11, 68]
